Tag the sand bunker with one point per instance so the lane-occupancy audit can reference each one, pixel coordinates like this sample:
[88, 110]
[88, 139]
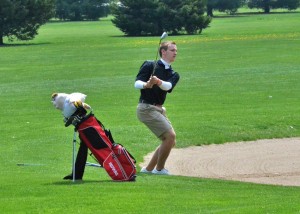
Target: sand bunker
[275, 161]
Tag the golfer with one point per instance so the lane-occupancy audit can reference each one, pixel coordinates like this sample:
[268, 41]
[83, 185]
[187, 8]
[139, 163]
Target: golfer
[155, 80]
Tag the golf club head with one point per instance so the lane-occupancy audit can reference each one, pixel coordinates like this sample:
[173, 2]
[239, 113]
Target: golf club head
[164, 35]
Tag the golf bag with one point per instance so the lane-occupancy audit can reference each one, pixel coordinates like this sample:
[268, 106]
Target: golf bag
[115, 159]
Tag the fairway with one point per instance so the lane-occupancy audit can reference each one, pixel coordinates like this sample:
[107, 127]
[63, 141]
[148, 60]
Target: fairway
[239, 82]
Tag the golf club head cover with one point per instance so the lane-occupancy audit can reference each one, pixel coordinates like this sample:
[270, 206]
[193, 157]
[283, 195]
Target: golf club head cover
[67, 102]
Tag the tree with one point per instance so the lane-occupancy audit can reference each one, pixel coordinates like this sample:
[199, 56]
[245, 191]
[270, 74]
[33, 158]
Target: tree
[152, 17]
[211, 5]
[266, 5]
[289, 4]
[80, 10]
[21, 19]
[229, 6]
[193, 20]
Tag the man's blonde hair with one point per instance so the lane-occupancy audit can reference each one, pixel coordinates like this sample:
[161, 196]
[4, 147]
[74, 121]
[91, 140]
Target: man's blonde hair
[165, 45]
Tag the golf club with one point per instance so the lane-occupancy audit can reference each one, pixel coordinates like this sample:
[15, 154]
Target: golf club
[163, 36]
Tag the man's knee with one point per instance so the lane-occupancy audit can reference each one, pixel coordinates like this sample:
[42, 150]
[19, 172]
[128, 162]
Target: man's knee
[173, 138]
[170, 137]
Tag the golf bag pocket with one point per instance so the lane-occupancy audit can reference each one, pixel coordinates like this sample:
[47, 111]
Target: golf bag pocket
[117, 169]
[126, 159]
[114, 158]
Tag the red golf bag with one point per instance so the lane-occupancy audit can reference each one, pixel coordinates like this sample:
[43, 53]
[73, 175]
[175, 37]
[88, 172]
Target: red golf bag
[115, 159]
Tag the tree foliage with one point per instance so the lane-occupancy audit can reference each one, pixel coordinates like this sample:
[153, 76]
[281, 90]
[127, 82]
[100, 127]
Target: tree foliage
[228, 6]
[80, 10]
[21, 19]
[152, 17]
[267, 5]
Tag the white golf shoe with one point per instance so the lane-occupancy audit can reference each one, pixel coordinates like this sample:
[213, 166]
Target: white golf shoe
[144, 170]
[160, 172]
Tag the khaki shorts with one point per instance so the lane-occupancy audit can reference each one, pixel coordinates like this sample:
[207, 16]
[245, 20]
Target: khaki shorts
[154, 117]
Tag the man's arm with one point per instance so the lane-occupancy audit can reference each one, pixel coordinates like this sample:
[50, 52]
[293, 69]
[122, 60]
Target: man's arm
[139, 84]
[164, 85]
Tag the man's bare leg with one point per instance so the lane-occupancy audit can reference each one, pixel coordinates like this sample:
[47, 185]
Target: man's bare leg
[153, 160]
[168, 142]
[162, 152]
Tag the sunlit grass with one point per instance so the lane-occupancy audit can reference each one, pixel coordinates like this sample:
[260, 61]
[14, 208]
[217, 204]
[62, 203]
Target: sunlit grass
[239, 81]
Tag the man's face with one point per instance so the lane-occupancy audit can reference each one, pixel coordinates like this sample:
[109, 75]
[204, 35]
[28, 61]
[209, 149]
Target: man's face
[170, 54]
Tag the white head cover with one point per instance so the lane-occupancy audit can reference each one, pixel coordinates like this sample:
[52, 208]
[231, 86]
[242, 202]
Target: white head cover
[64, 103]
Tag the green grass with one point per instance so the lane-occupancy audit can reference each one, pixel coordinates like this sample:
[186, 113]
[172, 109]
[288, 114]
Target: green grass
[239, 81]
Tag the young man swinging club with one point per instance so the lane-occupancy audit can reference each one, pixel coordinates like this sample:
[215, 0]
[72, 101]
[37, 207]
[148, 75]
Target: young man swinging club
[154, 82]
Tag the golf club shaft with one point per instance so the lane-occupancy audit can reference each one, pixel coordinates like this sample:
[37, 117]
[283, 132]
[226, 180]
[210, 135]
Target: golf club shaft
[155, 62]
[164, 35]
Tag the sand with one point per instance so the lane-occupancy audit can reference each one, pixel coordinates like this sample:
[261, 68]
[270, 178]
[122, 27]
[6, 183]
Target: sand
[273, 161]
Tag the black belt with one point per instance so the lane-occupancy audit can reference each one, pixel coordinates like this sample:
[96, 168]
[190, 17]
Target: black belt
[146, 102]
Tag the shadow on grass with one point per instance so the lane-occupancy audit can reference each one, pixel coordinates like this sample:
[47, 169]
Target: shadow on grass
[245, 14]
[153, 36]
[78, 182]
[23, 44]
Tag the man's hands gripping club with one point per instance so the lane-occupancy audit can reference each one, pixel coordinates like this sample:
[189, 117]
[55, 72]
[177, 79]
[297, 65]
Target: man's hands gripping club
[153, 80]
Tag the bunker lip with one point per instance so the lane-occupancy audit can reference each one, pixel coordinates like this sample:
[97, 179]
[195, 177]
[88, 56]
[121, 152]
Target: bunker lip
[269, 161]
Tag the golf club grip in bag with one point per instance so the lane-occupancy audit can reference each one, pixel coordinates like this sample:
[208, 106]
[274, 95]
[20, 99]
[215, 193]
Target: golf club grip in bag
[118, 163]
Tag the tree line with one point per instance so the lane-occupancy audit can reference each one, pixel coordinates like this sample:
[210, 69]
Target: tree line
[21, 19]
[94, 9]
[231, 6]
[81, 10]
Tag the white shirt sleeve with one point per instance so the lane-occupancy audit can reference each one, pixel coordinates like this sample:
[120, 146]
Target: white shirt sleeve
[139, 84]
[166, 86]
